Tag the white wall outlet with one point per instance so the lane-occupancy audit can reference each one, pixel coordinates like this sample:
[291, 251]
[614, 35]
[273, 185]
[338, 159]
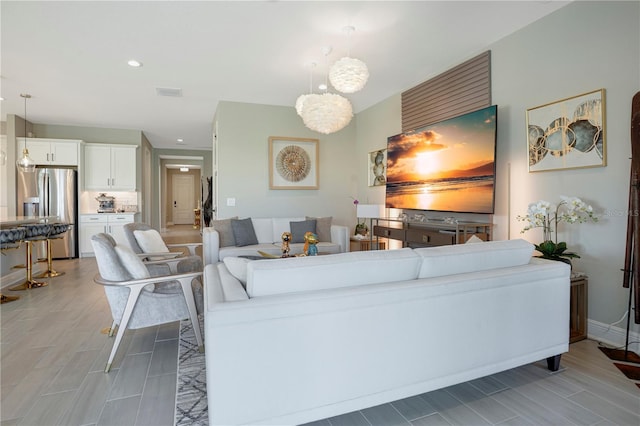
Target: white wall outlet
[231, 202]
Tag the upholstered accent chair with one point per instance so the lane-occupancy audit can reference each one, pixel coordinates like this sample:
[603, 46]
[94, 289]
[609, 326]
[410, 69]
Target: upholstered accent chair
[135, 240]
[143, 294]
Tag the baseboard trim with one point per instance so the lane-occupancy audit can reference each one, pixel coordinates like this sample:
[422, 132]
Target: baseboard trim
[614, 336]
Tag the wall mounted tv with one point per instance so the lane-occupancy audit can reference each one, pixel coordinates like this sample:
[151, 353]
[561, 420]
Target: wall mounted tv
[446, 166]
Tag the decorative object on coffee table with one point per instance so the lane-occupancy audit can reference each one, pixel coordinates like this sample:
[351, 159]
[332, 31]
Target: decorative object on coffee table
[310, 241]
[286, 239]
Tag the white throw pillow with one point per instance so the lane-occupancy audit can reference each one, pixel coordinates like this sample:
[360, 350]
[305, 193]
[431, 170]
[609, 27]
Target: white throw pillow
[237, 267]
[150, 241]
[131, 262]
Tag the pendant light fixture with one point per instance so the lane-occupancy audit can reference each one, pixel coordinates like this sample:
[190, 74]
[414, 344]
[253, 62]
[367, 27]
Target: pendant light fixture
[348, 75]
[25, 164]
[326, 112]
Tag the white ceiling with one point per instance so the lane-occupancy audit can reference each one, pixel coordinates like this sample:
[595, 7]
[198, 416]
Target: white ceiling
[72, 56]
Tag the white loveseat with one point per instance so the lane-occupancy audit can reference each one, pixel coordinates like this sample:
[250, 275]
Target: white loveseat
[269, 231]
[310, 338]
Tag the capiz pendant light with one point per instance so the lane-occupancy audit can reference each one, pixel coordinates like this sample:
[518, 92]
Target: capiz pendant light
[326, 113]
[349, 75]
[25, 164]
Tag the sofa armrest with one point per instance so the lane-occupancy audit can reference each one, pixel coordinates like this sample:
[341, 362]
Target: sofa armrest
[210, 246]
[340, 235]
[220, 286]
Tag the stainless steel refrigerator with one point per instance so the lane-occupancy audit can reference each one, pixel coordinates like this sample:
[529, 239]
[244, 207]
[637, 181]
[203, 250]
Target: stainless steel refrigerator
[55, 192]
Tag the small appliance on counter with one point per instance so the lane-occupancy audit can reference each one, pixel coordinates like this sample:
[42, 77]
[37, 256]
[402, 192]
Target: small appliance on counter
[107, 203]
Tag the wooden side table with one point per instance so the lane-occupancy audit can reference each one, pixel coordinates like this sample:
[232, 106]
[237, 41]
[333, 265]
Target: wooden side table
[364, 245]
[578, 310]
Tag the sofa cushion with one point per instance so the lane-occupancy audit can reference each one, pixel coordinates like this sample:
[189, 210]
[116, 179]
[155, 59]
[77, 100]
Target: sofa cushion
[282, 224]
[298, 229]
[131, 262]
[323, 272]
[465, 258]
[225, 233]
[323, 227]
[243, 232]
[150, 241]
[237, 266]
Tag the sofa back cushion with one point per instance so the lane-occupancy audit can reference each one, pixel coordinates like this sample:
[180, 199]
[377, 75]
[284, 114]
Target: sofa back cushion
[243, 232]
[465, 258]
[332, 271]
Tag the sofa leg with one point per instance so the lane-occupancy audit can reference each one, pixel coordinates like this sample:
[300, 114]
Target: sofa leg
[553, 363]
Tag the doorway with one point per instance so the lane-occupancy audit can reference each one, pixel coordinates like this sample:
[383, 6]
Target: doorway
[183, 199]
[186, 191]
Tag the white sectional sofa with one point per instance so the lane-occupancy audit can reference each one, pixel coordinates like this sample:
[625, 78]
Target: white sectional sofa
[269, 231]
[310, 338]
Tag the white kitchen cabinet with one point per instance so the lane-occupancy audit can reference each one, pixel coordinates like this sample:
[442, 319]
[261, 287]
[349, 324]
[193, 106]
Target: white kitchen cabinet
[109, 167]
[54, 152]
[111, 223]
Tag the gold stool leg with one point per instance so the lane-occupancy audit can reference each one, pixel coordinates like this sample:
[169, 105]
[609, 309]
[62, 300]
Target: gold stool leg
[50, 272]
[30, 282]
[7, 299]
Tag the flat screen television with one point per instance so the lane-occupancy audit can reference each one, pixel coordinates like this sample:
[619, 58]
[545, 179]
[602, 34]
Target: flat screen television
[447, 166]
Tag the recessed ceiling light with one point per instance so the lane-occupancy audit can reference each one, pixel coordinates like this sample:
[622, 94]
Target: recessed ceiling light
[180, 140]
[1, 99]
[134, 63]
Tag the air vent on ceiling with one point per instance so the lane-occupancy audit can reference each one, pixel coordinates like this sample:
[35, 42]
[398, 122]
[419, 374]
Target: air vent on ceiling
[168, 91]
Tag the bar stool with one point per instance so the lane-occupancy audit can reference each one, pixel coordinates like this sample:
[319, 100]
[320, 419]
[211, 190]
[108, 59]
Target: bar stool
[56, 231]
[10, 239]
[34, 233]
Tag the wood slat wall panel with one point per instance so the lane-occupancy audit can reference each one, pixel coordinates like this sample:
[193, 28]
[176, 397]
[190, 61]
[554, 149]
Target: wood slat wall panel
[462, 89]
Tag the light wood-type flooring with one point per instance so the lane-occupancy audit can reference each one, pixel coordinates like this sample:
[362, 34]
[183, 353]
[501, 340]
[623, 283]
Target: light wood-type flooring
[53, 354]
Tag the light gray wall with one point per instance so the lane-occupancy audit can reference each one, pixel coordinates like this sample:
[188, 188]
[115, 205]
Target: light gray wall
[243, 169]
[580, 48]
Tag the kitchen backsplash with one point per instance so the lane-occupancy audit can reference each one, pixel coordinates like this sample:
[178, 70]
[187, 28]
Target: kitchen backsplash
[124, 201]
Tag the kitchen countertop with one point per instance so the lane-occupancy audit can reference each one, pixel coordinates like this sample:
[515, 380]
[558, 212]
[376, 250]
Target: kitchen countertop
[107, 214]
[25, 220]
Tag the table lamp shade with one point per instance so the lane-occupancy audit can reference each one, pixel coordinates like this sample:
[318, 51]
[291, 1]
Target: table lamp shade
[370, 210]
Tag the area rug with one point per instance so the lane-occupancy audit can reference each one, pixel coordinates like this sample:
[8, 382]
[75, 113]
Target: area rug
[191, 392]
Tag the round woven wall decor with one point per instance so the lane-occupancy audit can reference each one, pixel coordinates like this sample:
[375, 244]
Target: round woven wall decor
[293, 163]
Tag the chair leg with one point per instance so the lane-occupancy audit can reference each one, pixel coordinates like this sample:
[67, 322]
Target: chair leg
[124, 322]
[193, 313]
[112, 329]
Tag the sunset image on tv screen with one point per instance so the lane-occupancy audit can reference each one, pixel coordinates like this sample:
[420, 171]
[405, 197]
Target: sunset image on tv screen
[446, 166]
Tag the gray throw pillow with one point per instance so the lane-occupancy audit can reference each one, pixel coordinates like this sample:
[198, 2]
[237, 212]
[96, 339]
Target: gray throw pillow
[243, 232]
[298, 229]
[323, 228]
[223, 226]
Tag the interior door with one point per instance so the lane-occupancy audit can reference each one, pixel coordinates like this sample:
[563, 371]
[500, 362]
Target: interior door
[183, 199]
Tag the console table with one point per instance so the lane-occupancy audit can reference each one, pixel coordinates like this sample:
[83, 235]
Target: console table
[431, 233]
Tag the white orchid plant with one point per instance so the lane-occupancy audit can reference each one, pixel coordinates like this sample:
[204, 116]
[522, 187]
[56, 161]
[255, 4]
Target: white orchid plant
[545, 215]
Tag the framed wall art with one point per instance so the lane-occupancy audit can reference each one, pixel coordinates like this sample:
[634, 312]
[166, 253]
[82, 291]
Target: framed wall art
[377, 167]
[293, 163]
[567, 134]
